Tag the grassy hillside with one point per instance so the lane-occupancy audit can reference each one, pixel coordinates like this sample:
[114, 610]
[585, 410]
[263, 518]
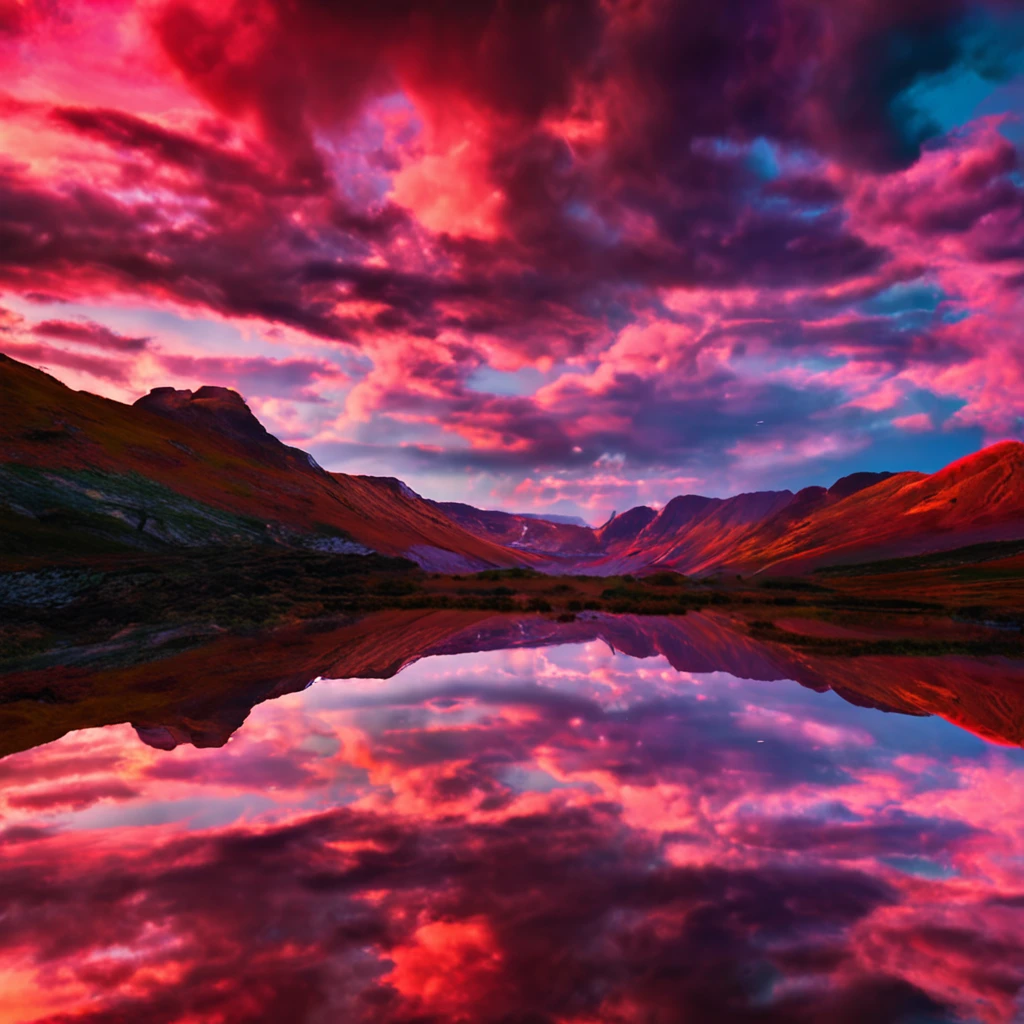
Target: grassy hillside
[80, 474]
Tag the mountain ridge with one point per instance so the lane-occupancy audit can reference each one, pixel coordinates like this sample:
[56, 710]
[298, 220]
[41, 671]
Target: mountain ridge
[188, 468]
[191, 468]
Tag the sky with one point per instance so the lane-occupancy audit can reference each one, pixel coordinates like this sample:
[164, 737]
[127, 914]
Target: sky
[567, 256]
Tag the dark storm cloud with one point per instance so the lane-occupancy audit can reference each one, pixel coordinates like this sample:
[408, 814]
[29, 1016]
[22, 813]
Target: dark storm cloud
[66, 240]
[214, 167]
[671, 74]
[519, 184]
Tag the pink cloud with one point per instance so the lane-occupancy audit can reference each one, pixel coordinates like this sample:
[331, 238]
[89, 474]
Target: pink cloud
[604, 218]
[76, 796]
[86, 332]
[919, 421]
[293, 378]
[47, 356]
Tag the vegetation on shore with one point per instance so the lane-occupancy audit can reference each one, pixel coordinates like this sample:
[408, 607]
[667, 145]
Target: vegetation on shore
[89, 599]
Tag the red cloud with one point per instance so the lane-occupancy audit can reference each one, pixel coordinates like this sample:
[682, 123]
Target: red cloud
[112, 370]
[72, 796]
[292, 378]
[85, 332]
[402, 181]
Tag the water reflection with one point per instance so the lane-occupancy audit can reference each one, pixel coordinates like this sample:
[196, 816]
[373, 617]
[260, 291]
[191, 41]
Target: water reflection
[558, 834]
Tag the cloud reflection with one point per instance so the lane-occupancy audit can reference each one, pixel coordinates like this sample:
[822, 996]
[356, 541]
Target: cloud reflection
[559, 835]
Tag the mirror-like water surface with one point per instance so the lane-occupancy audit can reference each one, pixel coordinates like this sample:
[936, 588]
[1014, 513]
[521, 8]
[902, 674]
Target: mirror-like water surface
[563, 834]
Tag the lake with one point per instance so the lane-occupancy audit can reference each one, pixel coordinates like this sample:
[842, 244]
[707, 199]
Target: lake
[612, 820]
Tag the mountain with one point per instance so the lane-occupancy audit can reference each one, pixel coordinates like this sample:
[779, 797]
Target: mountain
[81, 473]
[977, 499]
[855, 482]
[622, 530]
[862, 517]
[692, 532]
[527, 532]
[189, 469]
[552, 518]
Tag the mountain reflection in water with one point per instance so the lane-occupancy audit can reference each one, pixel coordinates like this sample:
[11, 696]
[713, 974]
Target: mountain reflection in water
[576, 834]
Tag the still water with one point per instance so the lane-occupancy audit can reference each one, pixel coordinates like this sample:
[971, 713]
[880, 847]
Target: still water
[549, 834]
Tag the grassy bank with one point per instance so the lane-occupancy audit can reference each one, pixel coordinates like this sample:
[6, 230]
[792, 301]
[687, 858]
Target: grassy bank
[89, 600]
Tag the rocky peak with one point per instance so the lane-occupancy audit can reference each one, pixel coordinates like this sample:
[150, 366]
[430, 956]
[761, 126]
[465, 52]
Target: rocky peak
[622, 529]
[209, 408]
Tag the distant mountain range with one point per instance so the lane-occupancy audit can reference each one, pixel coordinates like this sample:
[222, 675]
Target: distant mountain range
[81, 474]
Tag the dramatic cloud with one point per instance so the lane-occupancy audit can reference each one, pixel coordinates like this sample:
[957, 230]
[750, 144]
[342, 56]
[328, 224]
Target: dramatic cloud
[511, 241]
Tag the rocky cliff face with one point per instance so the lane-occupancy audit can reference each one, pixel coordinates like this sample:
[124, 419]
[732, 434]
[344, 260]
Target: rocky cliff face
[209, 408]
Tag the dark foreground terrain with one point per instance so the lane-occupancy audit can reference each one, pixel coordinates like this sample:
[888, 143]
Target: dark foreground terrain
[966, 601]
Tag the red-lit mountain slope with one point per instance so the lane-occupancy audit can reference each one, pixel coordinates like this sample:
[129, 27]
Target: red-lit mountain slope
[862, 517]
[185, 469]
[692, 533]
[192, 468]
[977, 499]
[622, 529]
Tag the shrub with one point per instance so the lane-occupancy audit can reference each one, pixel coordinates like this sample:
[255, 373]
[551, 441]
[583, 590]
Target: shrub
[665, 579]
[509, 574]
